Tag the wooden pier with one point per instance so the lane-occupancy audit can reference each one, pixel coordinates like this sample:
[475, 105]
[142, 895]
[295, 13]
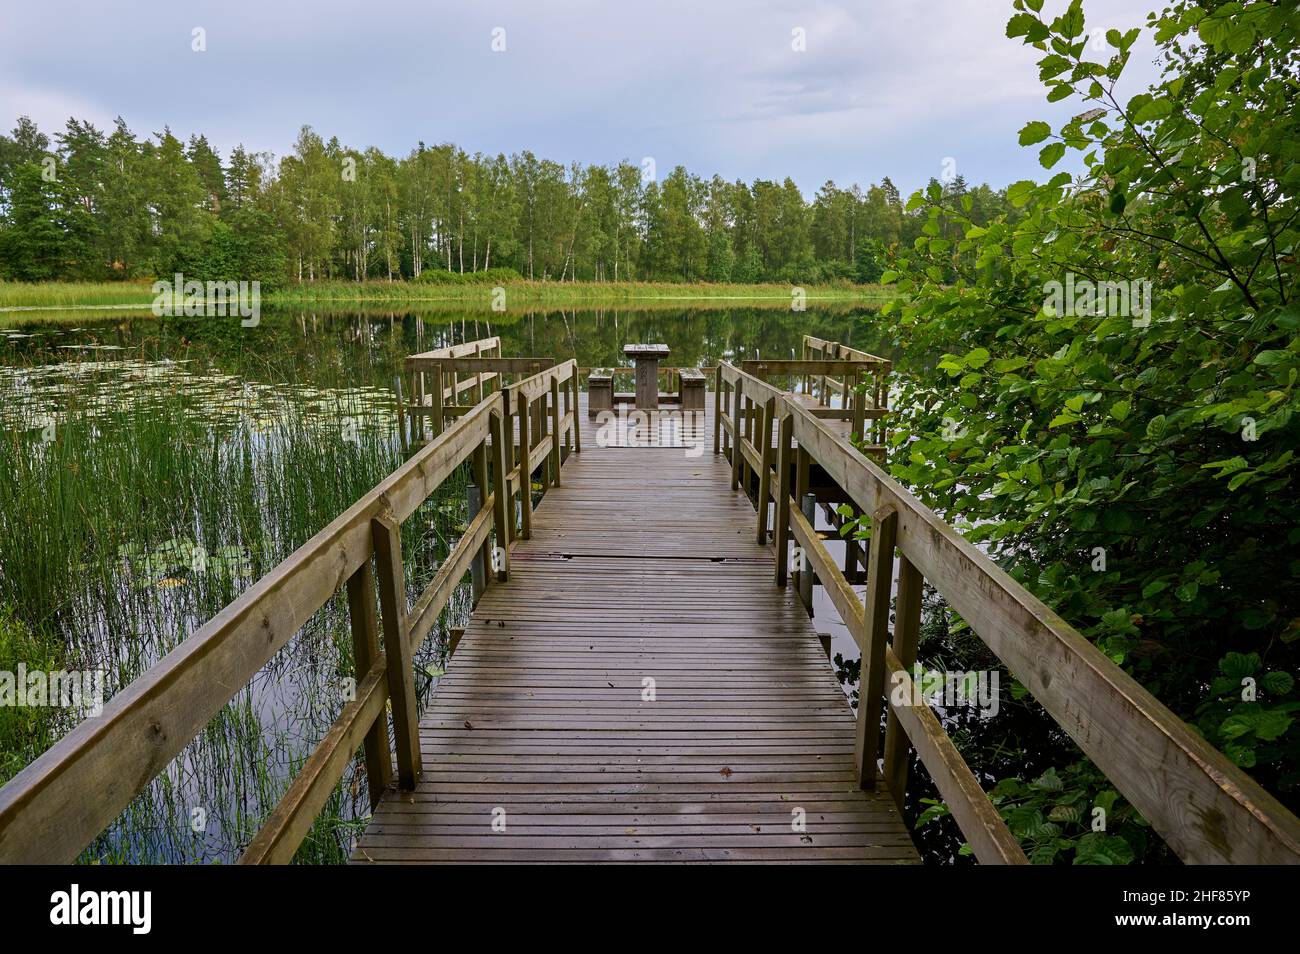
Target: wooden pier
[640, 680]
[638, 691]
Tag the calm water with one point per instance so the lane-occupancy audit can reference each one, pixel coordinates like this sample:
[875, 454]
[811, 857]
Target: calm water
[137, 443]
[169, 464]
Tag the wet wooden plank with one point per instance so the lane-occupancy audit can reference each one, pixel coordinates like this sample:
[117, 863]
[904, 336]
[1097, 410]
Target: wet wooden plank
[639, 691]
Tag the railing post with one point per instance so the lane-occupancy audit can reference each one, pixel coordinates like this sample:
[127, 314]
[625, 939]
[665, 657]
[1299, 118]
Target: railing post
[726, 410]
[438, 416]
[417, 420]
[807, 504]
[477, 571]
[537, 430]
[882, 405]
[568, 407]
[781, 538]
[736, 395]
[747, 436]
[508, 449]
[387, 535]
[907, 630]
[880, 577]
[478, 376]
[802, 467]
[765, 467]
[556, 419]
[859, 425]
[502, 505]
[717, 408]
[525, 468]
[401, 416]
[577, 430]
[363, 616]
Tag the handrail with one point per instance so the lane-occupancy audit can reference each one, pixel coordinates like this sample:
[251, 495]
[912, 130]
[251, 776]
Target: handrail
[483, 347]
[814, 347]
[545, 433]
[1206, 808]
[437, 400]
[825, 387]
[59, 803]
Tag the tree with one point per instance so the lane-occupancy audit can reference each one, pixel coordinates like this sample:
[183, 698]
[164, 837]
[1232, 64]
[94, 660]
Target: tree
[32, 241]
[1130, 455]
[130, 208]
[721, 260]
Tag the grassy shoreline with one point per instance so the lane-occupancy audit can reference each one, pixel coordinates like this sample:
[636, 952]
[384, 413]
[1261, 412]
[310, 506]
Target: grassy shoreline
[20, 297]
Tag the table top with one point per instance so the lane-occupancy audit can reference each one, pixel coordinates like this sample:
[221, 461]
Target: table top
[646, 350]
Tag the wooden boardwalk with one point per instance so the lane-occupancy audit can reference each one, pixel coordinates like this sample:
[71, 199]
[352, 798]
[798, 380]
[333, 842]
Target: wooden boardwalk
[639, 690]
[635, 686]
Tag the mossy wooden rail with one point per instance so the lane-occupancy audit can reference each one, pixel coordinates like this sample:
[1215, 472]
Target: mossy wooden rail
[1205, 807]
[60, 802]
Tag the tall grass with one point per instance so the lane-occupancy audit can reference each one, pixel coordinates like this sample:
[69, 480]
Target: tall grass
[477, 295]
[73, 294]
[132, 520]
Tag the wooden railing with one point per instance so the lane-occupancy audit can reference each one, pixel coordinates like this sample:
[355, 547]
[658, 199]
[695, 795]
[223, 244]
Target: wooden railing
[863, 383]
[544, 409]
[1206, 808]
[60, 802]
[440, 378]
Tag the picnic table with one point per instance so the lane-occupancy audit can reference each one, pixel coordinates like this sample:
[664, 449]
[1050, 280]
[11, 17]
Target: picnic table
[646, 358]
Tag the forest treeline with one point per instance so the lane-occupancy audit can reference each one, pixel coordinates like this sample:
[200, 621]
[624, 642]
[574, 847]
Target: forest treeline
[91, 205]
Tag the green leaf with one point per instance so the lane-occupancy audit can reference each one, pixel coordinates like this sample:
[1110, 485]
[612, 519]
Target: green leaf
[1034, 132]
[1267, 358]
[1019, 193]
[1239, 479]
[1028, 26]
[1051, 154]
[1238, 666]
[1278, 683]
[1049, 781]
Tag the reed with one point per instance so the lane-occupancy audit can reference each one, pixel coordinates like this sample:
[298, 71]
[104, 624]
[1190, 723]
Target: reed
[20, 297]
[130, 515]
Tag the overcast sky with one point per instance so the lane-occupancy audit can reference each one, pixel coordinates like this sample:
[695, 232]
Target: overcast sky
[884, 87]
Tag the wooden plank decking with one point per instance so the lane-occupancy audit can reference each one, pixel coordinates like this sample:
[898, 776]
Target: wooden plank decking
[643, 566]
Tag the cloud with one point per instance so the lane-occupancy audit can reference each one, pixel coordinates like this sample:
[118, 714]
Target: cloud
[883, 88]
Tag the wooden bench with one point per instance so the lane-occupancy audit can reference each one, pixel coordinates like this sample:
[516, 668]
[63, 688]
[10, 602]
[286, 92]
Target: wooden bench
[692, 389]
[600, 392]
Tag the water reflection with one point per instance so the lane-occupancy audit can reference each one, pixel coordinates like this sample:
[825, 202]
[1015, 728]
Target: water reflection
[170, 463]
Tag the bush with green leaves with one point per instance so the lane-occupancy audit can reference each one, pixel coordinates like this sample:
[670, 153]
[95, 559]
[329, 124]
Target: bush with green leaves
[1134, 466]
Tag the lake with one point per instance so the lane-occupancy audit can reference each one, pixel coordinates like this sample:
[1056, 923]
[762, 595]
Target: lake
[152, 469]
